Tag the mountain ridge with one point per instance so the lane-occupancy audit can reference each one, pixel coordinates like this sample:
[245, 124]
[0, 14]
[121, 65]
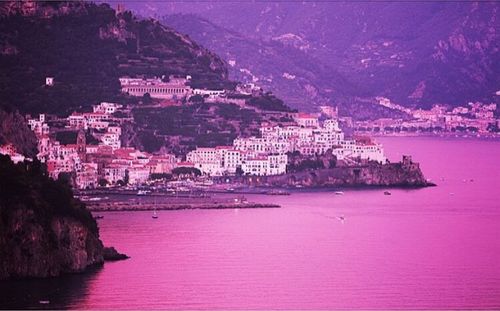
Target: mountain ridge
[416, 54]
[86, 47]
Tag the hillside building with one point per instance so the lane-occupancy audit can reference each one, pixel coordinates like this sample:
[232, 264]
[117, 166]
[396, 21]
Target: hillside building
[175, 88]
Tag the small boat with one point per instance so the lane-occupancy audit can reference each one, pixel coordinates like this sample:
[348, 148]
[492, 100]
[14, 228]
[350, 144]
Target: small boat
[277, 192]
[98, 217]
[142, 192]
[339, 193]
[155, 216]
[44, 302]
[387, 193]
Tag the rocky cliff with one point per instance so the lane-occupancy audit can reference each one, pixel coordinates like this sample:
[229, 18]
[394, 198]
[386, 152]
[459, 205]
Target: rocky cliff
[44, 231]
[31, 247]
[403, 174]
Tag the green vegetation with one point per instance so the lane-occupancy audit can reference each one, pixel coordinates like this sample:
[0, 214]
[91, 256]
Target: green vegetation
[27, 186]
[86, 51]
[192, 171]
[67, 137]
[65, 47]
[299, 163]
[203, 125]
[268, 102]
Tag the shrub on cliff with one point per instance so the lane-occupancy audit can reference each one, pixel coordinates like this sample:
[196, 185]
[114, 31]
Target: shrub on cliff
[27, 185]
[268, 102]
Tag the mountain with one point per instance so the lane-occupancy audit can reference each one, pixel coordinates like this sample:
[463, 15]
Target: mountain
[270, 63]
[86, 47]
[288, 72]
[415, 53]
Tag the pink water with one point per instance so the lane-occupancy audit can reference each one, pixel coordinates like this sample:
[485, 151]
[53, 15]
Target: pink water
[414, 249]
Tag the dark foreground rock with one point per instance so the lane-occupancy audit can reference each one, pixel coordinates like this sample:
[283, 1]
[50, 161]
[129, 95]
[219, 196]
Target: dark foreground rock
[44, 230]
[111, 254]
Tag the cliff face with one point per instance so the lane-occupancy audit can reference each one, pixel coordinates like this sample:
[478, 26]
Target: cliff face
[31, 248]
[44, 231]
[373, 174]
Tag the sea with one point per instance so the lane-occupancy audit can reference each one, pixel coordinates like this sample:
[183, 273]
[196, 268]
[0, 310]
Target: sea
[430, 248]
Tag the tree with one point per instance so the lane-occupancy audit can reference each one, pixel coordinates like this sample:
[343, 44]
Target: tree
[197, 99]
[126, 177]
[102, 182]
[239, 171]
[146, 99]
[186, 171]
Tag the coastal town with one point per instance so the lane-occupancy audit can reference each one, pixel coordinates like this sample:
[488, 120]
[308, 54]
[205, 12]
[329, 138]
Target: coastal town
[474, 119]
[86, 147]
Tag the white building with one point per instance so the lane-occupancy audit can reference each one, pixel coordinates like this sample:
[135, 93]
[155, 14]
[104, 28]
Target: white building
[111, 139]
[207, 160]
[49, 81]
[232, 160]
[114, 173]
[266, 145]
[107, 108]
[39, 126]
[175, 88]
[206, 92]
[138, 174]
[86, 176]
[265, 164]
[306, 120]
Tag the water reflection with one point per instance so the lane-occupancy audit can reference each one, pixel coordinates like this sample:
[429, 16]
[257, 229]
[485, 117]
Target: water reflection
[53, 293]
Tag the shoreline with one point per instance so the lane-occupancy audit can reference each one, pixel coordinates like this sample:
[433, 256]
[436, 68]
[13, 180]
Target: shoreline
[137, 207]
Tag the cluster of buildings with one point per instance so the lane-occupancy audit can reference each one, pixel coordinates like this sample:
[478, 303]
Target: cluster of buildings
[91, 153]
[11, 151]
[179, 88]
[173, 88]
[474, 117]
[102, 161]
[87, 146]
[268, 154]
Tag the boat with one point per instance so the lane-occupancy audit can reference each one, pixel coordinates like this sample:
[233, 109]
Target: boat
[142, 192]
[240, 200]
[387, 192]
[339, 193]
[98, 217]
[277, 192]
[155, 216]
